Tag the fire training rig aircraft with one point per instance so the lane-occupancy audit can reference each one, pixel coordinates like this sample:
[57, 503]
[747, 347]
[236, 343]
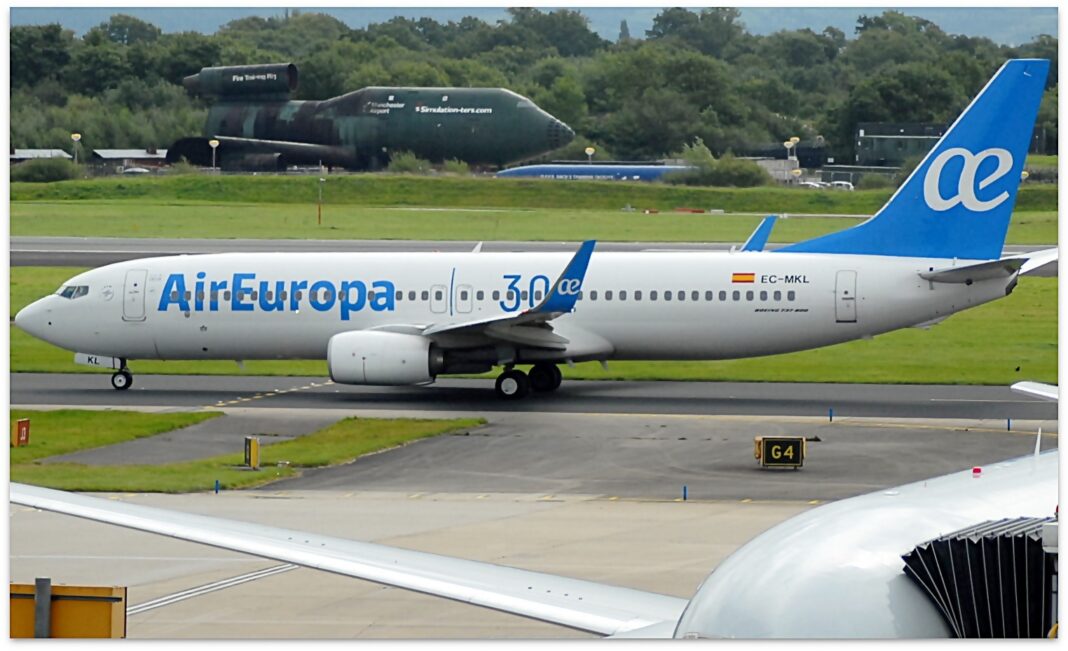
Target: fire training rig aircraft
[394, 319]
[257, 126]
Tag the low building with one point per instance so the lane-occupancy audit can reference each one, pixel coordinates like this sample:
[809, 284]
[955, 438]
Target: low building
[22, 155]
[122, 159]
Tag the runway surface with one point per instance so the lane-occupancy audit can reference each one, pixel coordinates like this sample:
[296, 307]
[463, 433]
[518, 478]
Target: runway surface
[93, 252]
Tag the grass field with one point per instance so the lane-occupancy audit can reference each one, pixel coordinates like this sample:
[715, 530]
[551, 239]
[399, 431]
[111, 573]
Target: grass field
[128, 218]
[474, 192]
[984, 345]
[1036, 160]
[63, 431]
[339, 443]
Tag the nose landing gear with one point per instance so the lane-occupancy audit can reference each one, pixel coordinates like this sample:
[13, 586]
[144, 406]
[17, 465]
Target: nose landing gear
[122, 379]
[514, 384]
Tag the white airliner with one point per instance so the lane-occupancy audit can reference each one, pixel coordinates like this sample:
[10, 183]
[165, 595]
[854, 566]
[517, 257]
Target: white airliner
[381, 318]
[833, 572]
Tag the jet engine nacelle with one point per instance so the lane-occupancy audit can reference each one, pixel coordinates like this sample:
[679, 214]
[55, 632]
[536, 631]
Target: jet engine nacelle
[372, 357]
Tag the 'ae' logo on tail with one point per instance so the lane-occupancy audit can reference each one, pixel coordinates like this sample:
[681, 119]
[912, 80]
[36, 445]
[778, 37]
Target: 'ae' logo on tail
[967, 184]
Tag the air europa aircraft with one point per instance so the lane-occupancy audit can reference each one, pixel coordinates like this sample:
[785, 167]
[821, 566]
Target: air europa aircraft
[393, 319]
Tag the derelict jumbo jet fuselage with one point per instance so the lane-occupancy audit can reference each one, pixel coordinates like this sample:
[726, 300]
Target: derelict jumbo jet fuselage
[934, 249]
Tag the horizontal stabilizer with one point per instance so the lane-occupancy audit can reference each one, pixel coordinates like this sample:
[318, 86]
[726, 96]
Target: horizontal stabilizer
[759, 237]
[974, 272]
[1037, 259]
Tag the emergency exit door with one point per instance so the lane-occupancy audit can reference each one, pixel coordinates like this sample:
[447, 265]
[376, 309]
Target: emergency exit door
[845, 292]
[133, 303]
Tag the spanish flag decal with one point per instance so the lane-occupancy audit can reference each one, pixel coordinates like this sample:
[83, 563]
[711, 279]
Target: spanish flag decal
[743, 277]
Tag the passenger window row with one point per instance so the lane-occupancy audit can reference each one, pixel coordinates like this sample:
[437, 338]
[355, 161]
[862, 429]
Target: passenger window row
[636, 295]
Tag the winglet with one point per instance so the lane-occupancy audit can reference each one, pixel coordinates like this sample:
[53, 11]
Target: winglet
[759, 237]
[568, 286]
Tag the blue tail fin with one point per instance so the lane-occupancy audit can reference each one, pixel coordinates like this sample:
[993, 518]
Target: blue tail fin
[958, 201]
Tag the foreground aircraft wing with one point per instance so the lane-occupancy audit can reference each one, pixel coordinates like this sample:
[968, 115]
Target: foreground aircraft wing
[522, 328]
[583, 605]
[1036, 389]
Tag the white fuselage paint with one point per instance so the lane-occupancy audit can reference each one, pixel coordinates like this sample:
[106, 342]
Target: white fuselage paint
[888, 294]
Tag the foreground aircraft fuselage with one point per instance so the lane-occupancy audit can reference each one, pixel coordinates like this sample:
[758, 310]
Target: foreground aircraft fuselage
[934, 249]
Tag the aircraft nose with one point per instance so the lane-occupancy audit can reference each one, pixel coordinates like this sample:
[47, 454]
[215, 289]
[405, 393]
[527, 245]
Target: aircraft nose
[33, 319]
[559, 134]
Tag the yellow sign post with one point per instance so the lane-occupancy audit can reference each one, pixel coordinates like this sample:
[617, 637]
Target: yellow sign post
[252, 452]
[69, 611]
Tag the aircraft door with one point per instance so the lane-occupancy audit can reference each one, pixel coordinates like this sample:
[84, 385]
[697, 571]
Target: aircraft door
[133, 304]
[438, 299]
[464, 299]
[845, 293]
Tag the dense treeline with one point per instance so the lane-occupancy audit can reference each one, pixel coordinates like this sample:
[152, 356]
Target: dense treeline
[694, 74]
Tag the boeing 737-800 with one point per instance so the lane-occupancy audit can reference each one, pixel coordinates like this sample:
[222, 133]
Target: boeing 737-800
[934, 249]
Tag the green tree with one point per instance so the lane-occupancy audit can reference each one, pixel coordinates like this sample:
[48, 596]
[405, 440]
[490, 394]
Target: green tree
[565, 100]
[38, 52]
[127, 30]
[563, 29]
[95, 67]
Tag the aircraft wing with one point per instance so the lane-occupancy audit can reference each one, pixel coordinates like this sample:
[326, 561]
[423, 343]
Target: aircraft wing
[1036, 389]
[579, 604]
[529, 326]
[197, 150]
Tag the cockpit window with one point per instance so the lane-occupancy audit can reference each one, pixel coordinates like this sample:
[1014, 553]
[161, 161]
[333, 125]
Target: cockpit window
[73, 291]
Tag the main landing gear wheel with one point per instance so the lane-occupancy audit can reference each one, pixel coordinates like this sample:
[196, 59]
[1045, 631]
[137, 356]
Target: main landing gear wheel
[545, 378]
[512, 385]
[122, 380]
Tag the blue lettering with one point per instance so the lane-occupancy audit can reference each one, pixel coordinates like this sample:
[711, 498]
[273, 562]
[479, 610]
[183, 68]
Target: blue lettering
[249, 294]
[512, 293]
[174, 292]
[198, 297]
[217, 286]
[384, 300]
[327, 288]
[533, 284]
[347, 304]
[275, 303]
[239, 291]
[294, 293]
